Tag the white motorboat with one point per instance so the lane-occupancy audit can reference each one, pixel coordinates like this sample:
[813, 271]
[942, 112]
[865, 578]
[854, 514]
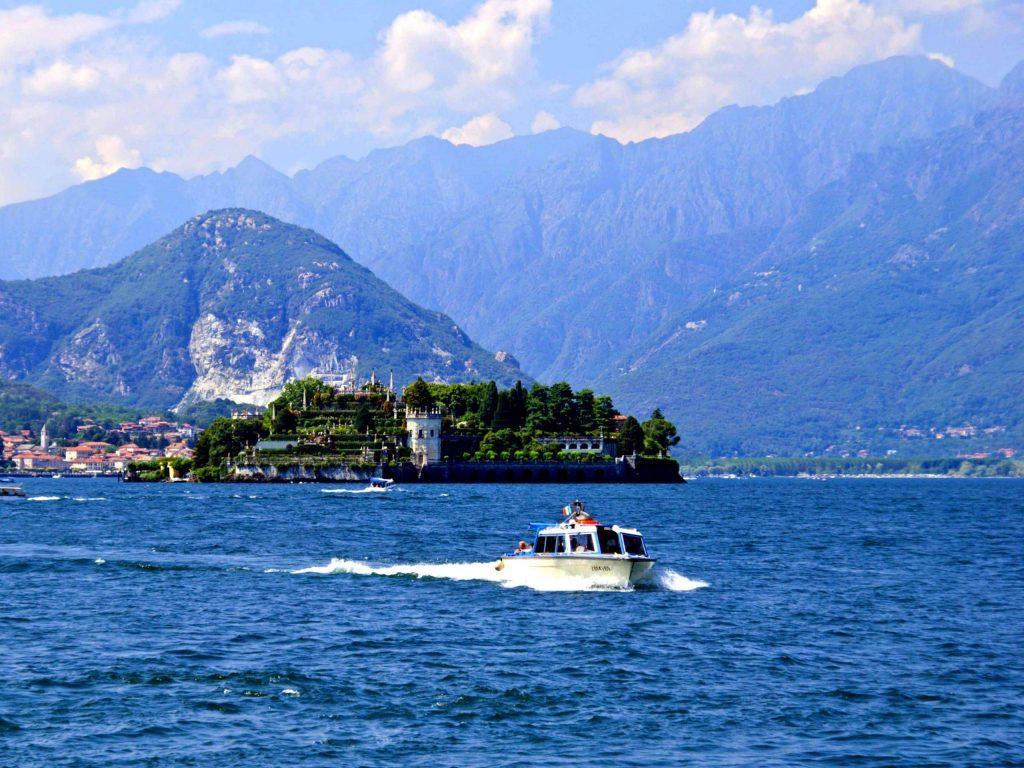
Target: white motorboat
[581, 548]
[11, 493]
[381, 484]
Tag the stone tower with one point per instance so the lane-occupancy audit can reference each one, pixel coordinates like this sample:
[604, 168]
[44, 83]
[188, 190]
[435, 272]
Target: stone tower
[424, 429]
[44, 439]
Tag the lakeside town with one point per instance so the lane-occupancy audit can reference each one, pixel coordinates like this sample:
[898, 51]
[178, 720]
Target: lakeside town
[150, 438]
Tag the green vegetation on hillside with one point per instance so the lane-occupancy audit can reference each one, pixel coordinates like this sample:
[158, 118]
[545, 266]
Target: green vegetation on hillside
[247, 285]
[25, 407]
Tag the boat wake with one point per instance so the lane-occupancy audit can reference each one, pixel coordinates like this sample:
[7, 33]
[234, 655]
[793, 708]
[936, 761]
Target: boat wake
[666, 579]
[673, 581]
[351, 490]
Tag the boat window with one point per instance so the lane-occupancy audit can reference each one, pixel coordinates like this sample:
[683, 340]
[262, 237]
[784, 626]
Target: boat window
[634, 545]
[609, 541]
[545, 544]
[560, 544]
[581, 542]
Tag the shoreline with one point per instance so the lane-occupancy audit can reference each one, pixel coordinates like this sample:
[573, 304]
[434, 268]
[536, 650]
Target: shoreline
[898, 476]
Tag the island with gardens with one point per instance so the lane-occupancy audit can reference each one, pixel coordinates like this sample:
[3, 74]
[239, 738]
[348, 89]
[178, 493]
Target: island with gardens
[430, 432]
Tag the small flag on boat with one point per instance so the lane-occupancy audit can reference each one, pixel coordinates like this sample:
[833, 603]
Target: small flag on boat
[566, 511]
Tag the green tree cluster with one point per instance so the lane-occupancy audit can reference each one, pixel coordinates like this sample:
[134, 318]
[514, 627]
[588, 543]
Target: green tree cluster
[510, 420]
[549, 410]
[222, 440]
[659, 434]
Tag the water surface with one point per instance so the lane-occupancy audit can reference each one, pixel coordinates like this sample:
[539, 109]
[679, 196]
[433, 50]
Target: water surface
[847, 622]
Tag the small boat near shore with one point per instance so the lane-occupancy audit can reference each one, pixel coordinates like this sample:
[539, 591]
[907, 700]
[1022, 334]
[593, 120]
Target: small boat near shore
[380, 484]
[12, 493]
[580, 547]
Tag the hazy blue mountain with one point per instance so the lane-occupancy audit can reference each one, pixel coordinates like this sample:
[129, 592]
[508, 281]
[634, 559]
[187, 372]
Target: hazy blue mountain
[230, 305]
[895, 296]
[577, 254]
[565, 248]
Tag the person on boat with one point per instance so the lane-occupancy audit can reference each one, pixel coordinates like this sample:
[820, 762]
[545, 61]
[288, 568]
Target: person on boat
[523, 548]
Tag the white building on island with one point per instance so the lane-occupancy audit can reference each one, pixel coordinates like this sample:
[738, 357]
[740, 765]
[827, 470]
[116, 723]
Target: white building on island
[424, 430]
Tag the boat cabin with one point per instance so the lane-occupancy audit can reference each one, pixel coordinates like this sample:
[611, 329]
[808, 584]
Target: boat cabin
[590, 540]
[381, 482]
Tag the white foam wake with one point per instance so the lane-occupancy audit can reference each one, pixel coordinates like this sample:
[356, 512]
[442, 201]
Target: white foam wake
[43, 498]
[667, 579]
[351, 490]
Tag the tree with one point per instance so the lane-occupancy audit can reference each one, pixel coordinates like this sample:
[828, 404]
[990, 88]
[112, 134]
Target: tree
[604, 413]
[280, 419]
[418, 397]
[631, 437]
[517, 400]
[315, 391]
[538, 418]
[504, 413]
[363, 420]
[490, 403]
[660, 433]
[562, 408]
[500, 442]
[585, 407]
[224, 438]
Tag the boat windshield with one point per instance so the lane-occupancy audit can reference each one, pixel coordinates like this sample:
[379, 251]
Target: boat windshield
[634, 544]
[609, 540]
[581, 542]
[550, 545]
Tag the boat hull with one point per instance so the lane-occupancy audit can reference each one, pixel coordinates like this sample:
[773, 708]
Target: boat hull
[617, 572]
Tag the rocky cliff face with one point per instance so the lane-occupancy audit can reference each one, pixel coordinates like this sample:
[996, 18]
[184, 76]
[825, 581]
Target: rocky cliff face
[230, 305]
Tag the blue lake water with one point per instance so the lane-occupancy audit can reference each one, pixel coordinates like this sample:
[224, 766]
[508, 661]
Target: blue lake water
[846, 622]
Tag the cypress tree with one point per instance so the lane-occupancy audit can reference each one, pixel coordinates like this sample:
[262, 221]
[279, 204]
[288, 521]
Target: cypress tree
[490, 403]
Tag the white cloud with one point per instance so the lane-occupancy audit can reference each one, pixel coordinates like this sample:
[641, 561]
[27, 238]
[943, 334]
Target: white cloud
[148, 11]
[544, 121]
[481, 130]
[723, 59]
[112, 155]
[482, 54]
[82, 101]
[29, 31]
[62, 77]
[240, 27]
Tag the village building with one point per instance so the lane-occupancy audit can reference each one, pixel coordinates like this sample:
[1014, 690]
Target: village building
[36, 460]
[596, 444]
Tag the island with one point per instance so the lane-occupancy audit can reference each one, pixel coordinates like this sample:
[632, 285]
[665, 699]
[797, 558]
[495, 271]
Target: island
[320, 431]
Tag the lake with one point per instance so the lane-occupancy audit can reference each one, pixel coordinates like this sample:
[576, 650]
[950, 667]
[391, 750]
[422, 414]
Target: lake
[795, 622]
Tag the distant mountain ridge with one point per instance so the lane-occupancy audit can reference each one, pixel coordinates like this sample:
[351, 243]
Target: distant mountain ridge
[587, 259]
[230, 305]
[893, 299]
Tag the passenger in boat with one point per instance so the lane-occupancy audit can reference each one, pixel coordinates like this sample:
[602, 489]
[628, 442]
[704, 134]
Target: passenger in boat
[523, 548]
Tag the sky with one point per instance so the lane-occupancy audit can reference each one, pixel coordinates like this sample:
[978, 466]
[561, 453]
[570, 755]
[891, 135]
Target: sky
[192, 87]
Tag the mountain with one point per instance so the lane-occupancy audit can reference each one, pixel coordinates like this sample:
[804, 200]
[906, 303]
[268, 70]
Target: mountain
[588, 259]
[894, 297]
[565, 248]
[229, 305]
